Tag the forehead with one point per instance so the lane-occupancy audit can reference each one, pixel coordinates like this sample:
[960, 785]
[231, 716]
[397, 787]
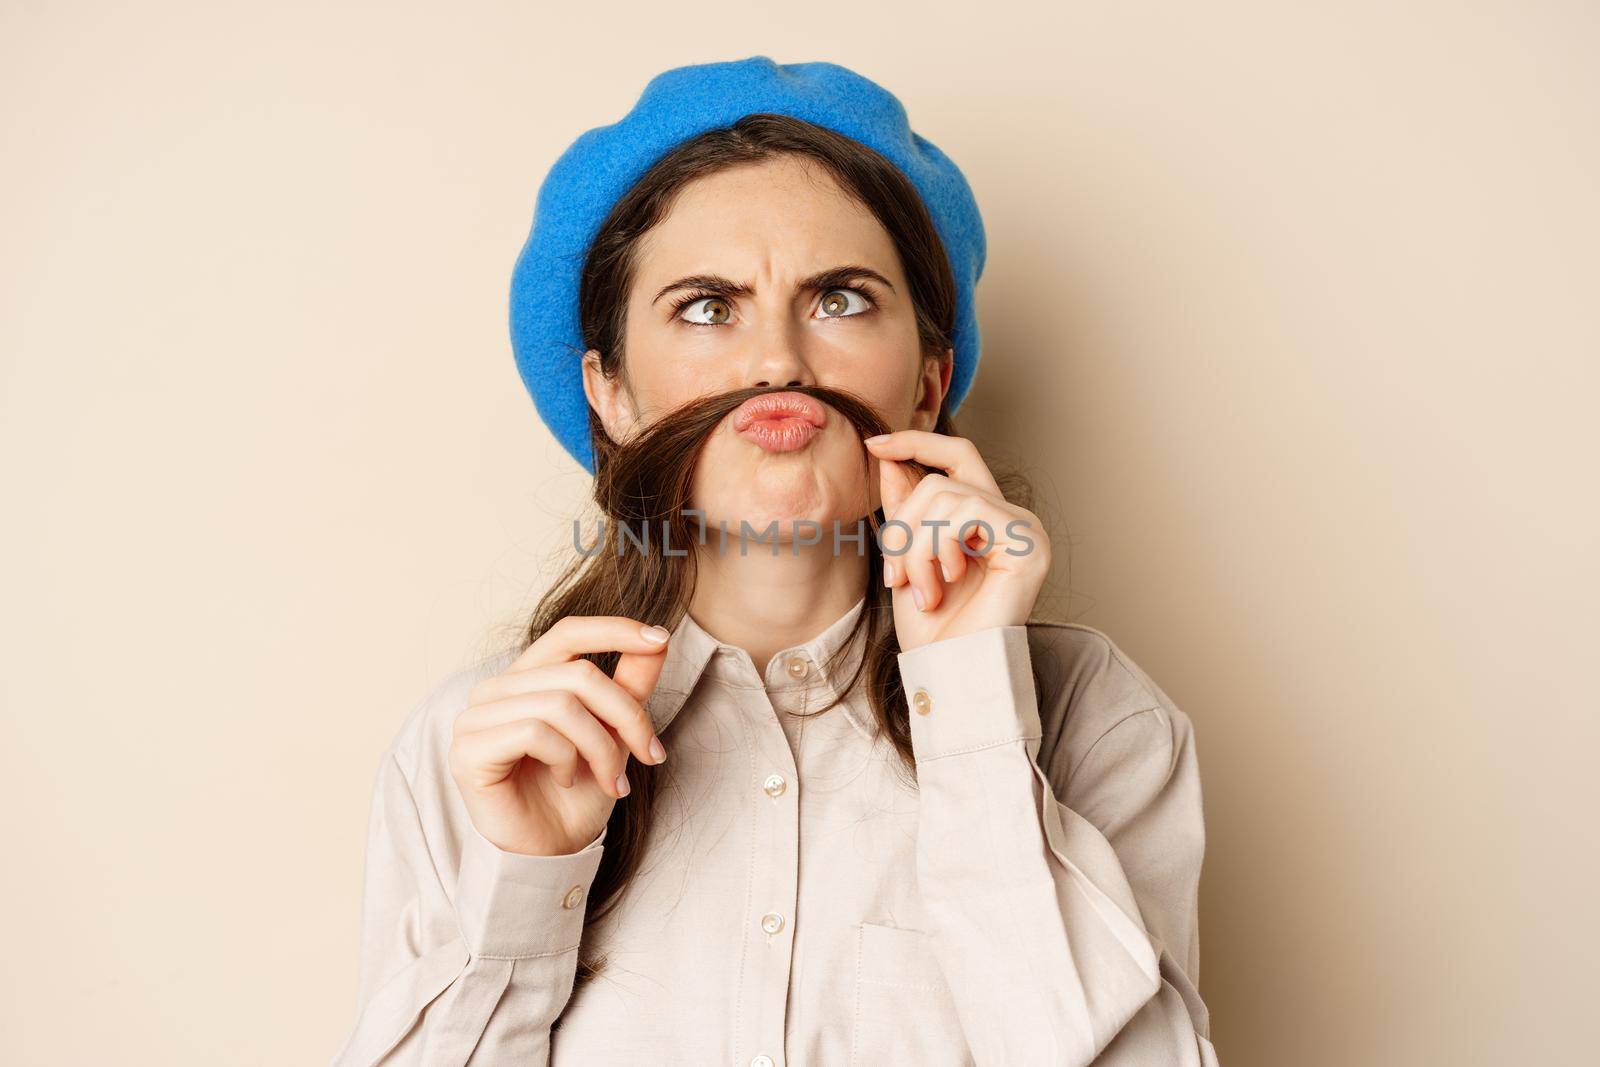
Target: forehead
[782, 218]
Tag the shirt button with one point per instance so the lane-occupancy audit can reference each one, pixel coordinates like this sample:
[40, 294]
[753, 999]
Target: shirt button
[774, 785]
[921, 702]
[772, 922]
[573, 898]
[761, 1061]
[798, 666]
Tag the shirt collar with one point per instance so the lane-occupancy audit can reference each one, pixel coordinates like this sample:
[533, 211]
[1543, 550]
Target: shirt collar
[693, 654]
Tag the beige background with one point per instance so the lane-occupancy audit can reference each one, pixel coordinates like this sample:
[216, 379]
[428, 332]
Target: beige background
[1291, 313]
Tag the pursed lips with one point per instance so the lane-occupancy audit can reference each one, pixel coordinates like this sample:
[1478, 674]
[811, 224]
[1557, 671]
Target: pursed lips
[780, 422]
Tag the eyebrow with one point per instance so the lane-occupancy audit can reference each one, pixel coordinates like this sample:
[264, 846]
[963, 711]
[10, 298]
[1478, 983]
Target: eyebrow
[832, 278]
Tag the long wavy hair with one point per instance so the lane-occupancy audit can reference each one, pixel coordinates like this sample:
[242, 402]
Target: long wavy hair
[644, 483]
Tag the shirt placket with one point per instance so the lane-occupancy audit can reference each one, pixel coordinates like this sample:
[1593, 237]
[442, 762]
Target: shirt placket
[775, 872]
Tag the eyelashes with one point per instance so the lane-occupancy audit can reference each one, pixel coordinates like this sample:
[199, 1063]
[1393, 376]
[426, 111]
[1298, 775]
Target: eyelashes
[694, 296]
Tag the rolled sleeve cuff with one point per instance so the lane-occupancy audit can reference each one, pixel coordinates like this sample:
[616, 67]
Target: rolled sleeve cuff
[978, 689]
[512, 906]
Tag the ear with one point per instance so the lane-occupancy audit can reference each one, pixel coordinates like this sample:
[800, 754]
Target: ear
[609, 398]
[932, 386]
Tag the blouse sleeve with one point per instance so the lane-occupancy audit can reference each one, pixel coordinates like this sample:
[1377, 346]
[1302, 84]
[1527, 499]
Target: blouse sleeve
[468, 952]
[1063, 898]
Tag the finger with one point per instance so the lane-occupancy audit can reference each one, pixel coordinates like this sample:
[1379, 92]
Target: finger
[603, 696]
[638, 672]
[947, 515]
[947, 550]
[957, 456]
[956, 509]
[986, 528]
[912, 512]
[597, 745]
[896, 481]
[575, 635]
[895, 539]
[930, 559]
[555, 706]
[567, 715]
[937, 482]
[922, 581]
[976, 528]
[484, 758]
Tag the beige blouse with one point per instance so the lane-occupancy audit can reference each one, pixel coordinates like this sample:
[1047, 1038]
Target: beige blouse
[1029, 899]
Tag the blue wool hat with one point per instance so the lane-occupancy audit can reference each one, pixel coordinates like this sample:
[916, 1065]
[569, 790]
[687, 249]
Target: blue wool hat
[603, 164]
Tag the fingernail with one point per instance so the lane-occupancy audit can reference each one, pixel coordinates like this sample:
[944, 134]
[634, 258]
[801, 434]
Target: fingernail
[878, 440]
[658, 751]
[655, 634]
[916, 595]
[888, 574]
[623, 788]
[944, 569]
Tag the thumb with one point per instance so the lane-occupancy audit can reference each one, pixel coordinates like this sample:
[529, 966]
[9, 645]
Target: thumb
[895, 482]
[638, 672]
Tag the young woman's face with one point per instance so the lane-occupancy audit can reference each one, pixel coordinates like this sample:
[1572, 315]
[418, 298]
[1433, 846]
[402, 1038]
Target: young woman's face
[795, 283]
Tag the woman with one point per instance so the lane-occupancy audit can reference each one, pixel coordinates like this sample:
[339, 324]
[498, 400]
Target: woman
[759, 788]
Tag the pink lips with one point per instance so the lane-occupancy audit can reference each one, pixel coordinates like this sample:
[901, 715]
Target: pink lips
[779, 422]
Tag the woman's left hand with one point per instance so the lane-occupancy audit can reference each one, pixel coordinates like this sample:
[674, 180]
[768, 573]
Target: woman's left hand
[939, 590]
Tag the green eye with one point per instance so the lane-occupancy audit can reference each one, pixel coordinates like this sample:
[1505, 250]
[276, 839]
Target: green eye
[842, 303]
[707, 311]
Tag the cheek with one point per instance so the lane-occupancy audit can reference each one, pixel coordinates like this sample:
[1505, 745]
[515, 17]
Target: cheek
[663, 383]
[736, 482]
[891, 389]
[667, 369]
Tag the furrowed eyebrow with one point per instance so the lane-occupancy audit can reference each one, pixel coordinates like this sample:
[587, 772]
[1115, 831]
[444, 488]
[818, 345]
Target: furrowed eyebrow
[714, 282]
[832, 278]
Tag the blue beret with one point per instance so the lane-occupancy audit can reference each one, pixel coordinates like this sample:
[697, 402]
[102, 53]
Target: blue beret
[603, 163]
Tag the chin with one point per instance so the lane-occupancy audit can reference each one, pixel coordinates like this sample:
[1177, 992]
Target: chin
[821, 483]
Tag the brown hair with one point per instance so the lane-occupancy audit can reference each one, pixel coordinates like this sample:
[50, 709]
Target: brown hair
[644, 483]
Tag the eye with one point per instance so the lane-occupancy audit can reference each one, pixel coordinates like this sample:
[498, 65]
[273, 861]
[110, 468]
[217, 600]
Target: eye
[706, 311]
[842, 303]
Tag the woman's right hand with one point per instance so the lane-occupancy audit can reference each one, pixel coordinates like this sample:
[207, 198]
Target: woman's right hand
[540, 754]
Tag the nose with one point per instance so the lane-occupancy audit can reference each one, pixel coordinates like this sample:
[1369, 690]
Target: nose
[778, 359]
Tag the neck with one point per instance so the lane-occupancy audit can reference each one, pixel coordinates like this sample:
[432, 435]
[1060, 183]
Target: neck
[764, 603]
